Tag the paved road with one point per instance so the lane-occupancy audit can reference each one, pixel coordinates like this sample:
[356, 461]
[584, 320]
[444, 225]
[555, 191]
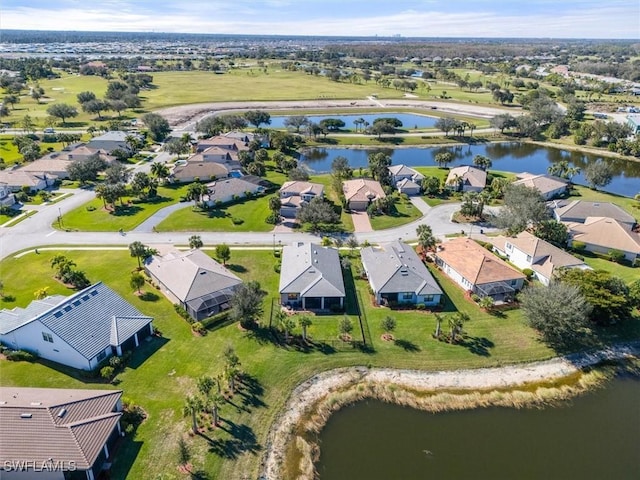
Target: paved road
[37, 230]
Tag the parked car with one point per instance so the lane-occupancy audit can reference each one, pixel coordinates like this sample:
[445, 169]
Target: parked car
[49, 130]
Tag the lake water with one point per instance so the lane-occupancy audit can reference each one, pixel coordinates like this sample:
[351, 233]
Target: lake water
[508, 156]
[595, 436]
[409, 120]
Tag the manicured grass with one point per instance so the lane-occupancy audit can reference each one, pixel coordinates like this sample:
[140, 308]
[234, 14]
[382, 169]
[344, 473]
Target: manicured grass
[163, 372]
[251, 212]
[627, 273]
[403, 212]
[127, 217]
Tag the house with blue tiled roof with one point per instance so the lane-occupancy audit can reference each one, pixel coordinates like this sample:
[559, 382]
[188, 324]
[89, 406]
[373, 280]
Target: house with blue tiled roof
[79, 331]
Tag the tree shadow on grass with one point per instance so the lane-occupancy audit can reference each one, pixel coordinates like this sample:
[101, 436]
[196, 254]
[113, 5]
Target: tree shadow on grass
[407, 345]
[236, 268]
[243, 440]
[477, 345]
[251, 391]
[126, 210]
[266, 335]
[149, 297]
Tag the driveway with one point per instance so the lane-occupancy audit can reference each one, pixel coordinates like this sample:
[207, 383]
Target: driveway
[420, 204]
[361, 222]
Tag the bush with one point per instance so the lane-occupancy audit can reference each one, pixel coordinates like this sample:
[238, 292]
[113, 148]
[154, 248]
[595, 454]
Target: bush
[107, 372]
[616, 256]
[182, 312]
[237, 220]
[20, 356]
[578, 246]
[115, 362]
[198, 327]
[272, 219]
[475, 297]
[528, 273]
[90, 208]
[276, 267]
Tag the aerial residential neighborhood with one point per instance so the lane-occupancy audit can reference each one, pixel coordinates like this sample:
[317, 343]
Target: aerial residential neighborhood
[211, 243]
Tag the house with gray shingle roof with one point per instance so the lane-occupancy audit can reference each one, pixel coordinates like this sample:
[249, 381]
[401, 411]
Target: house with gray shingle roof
[79, 331]
[193, 280]
[53, 433]
[396, 274]
[549, 186]
[577, 211]
[311, 277]
[406, 179]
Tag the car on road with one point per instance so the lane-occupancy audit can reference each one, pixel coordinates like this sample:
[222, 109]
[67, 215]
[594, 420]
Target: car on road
[49, 130]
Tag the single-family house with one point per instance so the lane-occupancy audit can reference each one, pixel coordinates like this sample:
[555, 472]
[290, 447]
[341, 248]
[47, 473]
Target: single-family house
[528, 251]
[311, 277]
[193, 280]
[466, 179]
[397, 275]
[295, 194]
[230, 144]
[15, 179]
[57, 434]
[197, 168]
[549, 186]
[406, 179]
[81, 152]
[361, 192]
[577, 211]
[603, 234]
[6, 197]
[79, 331]
[47, 166]
[228, 189]
[478, 271]
[113, 140]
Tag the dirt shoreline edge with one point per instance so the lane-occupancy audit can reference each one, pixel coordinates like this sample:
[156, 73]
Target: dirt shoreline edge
[309, 392]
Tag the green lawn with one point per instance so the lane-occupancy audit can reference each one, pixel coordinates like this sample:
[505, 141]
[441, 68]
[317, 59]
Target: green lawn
[250, 215]
[93, 217]
[627, 273]
[403, 212]
[164, 371]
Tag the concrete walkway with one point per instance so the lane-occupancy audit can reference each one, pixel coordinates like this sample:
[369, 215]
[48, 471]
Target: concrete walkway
[420, 204]
[150, 223]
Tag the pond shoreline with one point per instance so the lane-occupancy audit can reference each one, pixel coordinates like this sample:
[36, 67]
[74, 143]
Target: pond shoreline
[485, 387]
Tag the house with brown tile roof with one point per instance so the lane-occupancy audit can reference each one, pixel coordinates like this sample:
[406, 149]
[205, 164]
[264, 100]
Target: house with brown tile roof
[294, 194]
[226, 143]
[197, 168]
[548, 185]
[466, 179]
[477, 270]
[53, 433]
[603, 234]
[360, 192]
[528, 251]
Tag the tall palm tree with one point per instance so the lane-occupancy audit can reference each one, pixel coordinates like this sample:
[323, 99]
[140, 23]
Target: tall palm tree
[138, 250]
[160, 170]
[191, 407]
[305, 322]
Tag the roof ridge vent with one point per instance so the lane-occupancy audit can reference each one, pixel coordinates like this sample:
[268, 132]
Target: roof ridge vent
[26, 415]
[62, 412]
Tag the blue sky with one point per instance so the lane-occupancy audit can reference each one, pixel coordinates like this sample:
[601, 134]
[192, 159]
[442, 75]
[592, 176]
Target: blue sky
[424, 18]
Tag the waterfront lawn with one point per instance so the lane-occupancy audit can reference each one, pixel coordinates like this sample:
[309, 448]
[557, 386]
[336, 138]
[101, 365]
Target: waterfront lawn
[401, 213]
[245, 215]
[163, 372]
[93, 217]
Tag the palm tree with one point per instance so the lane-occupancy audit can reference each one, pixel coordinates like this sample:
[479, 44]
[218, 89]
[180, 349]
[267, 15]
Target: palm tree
[288, 324]
[352, 243]
[101, 191]
[195, 242]
[217, 399]
[195, 191]
[482, 162]
[439, 319]
[304, 322]
[137, 281]
[138, 250]
[443, 158]
[426, 238]
[455, 325]
[62, 264]
[160, 170]
[191, 407]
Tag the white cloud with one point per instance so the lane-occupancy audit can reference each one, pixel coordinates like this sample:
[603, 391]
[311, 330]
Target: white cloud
[605, 21]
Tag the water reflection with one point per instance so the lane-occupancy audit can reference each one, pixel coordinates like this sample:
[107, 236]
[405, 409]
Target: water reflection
[507, 156]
